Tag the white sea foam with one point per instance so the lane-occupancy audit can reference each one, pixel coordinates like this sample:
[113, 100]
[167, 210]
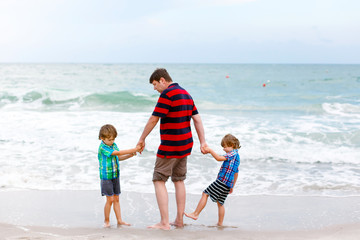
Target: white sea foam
[58, 150]
[342, 109]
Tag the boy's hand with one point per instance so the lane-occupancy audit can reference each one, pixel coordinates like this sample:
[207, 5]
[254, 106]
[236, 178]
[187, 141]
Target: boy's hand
[206, 150]
[231, 190]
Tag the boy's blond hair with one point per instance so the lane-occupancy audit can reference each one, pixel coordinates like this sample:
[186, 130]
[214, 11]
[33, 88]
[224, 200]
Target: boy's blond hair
[230, 141]
[107, 131]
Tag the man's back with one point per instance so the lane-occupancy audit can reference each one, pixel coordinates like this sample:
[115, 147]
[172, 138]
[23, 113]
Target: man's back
[175, 107]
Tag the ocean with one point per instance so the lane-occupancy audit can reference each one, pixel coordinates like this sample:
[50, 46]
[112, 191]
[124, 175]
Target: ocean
[298, 125]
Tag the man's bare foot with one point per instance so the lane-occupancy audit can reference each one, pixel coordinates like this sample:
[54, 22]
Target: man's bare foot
[219, 224]
[176, 224]
[106, 224]
[120, 223]
[192, 215]
[160, 226]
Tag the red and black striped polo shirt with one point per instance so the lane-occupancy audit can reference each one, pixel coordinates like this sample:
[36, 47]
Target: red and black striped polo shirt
[175, 107]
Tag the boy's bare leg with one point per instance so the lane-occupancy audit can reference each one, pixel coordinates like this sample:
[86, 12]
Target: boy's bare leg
[221, 210]
[202, 203]
[162, 201]
[180, 194]
[117, 211]
[107, 208]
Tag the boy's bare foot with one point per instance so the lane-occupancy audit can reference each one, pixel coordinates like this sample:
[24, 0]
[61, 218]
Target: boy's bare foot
[160, 226]
[192, 215]
[219, 224]
[106, 224]
[123, 223]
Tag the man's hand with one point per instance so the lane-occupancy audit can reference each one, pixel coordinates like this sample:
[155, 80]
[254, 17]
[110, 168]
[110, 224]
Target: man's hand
[140, 146]
[204, 148]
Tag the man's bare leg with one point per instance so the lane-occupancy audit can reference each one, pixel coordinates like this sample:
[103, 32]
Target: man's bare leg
[202, 203]
[180, 194]
[162, 201]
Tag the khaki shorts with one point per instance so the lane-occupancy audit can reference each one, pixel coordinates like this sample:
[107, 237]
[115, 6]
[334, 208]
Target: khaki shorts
[166, 167]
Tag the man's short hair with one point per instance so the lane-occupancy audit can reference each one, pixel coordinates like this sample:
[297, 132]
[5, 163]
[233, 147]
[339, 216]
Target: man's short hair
[160, 73]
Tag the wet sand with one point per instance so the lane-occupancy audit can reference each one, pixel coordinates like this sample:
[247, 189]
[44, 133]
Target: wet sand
[344, 232]
[79, 215]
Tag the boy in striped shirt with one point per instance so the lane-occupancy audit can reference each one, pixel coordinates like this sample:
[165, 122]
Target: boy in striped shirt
[226, 179]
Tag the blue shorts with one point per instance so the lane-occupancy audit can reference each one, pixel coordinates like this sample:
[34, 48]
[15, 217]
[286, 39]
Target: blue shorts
[110, 187]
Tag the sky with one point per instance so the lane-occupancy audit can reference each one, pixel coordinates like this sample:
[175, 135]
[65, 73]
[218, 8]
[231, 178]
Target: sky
[180, 31]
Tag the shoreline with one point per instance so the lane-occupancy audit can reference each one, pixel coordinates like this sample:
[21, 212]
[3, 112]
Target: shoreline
[78, 214]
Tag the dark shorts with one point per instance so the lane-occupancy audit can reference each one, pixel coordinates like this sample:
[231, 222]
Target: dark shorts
[110, 187]
[218, 191]
[170, 167]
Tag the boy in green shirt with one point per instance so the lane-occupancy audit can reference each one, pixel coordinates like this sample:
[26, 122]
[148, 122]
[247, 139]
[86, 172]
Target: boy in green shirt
[109, 156]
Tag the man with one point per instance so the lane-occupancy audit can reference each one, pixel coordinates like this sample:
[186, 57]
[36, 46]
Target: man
[176, 108]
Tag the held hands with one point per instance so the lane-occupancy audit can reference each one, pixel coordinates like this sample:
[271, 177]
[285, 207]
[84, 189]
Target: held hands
[204, 148]
[207, 150]
[140, 146]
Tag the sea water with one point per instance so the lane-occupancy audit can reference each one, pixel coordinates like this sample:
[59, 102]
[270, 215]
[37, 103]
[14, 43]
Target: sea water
[298, 125]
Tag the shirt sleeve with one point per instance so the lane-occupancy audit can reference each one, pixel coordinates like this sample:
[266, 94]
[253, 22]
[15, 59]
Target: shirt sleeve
[116, 147]
[236, 162]
[229, 155]
[163, 106]
[107, 151]
[236, 169]
[195, 111]
[233, 163]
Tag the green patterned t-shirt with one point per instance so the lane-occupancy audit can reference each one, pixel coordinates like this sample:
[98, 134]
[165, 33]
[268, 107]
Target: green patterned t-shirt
[108, 164]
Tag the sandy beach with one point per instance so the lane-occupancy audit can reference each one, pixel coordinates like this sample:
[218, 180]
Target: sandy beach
[31, 214]
[347, 232]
